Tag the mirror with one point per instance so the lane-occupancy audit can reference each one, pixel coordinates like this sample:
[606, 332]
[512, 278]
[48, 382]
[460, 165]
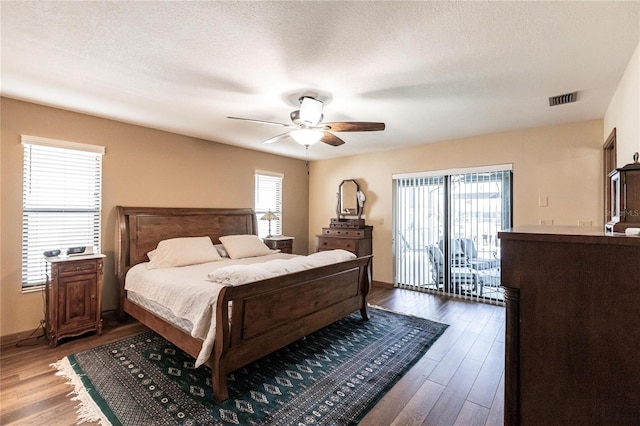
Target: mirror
[350, 199]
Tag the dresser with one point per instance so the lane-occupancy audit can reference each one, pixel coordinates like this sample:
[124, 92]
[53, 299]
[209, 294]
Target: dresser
[572, 341]
[73, 296]
[356, 240]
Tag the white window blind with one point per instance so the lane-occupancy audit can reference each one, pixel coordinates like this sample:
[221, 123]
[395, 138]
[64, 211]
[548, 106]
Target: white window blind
[62, 197]
[268, 197]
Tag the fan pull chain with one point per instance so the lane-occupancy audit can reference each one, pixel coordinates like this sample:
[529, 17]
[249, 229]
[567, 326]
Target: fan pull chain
[307, 161]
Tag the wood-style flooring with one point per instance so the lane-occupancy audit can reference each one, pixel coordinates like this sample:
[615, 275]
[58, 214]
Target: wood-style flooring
[459, 381]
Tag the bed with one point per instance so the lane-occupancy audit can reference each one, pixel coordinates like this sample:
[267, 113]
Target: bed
[253, 319]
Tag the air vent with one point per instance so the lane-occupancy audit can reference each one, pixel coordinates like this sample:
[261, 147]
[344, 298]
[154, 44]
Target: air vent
[567, 98]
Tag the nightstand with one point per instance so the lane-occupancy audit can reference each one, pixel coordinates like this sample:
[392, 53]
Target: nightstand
[73, 296]
[282, 243]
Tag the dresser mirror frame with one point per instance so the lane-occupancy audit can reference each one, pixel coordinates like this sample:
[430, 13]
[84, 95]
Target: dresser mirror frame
[349, 202]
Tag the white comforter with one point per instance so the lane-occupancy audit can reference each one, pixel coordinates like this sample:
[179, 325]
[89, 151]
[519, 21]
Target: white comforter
[242, 274]
[191, 292]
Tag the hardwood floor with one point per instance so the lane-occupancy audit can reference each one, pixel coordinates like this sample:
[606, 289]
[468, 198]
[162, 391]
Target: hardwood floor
[459, 381]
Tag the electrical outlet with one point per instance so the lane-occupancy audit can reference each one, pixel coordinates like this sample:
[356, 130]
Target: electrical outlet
[546, 221]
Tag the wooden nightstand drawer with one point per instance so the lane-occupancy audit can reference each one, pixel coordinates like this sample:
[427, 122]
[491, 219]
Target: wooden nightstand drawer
[284, 244]
[77, 267]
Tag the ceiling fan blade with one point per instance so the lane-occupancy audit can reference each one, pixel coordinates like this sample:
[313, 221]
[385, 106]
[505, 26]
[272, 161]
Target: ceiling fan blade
[354, 126]
[276, 138]
[263, 122]
[331, 139]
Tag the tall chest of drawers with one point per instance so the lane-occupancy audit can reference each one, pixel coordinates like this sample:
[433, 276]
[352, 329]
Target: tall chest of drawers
[356, 240]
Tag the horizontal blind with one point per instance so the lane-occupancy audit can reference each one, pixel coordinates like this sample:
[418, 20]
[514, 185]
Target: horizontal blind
[268, 197]
[62, 196]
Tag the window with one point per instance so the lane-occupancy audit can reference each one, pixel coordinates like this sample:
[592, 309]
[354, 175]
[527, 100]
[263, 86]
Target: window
[61, 201]
[268, 198]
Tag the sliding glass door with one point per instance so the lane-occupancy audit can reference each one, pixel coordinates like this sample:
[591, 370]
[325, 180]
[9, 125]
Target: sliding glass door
[419, 223]
[445, 230]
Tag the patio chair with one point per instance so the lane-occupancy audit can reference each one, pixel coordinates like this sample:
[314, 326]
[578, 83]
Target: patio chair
[458, 257]
[409, 247]
[473, 260]
[462, 277]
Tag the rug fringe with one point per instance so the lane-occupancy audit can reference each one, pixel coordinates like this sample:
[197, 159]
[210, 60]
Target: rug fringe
[394, 311]
[87, 411]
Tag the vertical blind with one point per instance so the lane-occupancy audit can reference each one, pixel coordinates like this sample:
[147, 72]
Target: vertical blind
[268, 197]
[445, 230]
[62, 197]
[480, 207]
[418, 221]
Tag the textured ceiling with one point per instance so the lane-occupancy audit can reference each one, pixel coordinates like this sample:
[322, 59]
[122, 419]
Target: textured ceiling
[430, 70]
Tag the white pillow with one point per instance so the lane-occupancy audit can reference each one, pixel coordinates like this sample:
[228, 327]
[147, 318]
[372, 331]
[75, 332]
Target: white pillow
[182, 252]
[241, 246]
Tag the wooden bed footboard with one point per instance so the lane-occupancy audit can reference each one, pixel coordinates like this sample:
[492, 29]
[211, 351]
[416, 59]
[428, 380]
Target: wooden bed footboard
[270, 314]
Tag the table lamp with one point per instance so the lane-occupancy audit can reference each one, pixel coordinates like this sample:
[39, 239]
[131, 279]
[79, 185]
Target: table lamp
[269, 216]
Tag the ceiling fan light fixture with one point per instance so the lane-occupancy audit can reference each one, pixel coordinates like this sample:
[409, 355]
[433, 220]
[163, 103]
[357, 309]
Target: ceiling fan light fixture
[309, 127]
[306, 137]
[310, 111]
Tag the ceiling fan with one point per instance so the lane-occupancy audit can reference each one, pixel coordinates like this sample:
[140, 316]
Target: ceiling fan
[308, 128]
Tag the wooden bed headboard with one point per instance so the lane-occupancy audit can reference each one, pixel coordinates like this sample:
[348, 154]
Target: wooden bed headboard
[140, 229]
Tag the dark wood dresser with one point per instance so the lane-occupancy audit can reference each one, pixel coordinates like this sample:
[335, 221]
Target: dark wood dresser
[356, 240]
[572, 344]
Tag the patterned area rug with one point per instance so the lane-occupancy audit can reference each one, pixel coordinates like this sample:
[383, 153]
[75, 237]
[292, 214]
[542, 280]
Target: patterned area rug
[332, 377]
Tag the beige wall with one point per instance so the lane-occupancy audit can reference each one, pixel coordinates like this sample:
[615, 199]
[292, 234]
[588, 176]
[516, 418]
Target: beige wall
[141, 167]
[562, 163]
[623, 112]
[148, 167]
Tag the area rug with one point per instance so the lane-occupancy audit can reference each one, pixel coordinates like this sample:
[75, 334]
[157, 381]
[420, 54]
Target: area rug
[332, 377]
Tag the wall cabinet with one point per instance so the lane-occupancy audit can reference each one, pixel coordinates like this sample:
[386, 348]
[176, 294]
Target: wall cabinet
[624, 211]
[73, 296]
